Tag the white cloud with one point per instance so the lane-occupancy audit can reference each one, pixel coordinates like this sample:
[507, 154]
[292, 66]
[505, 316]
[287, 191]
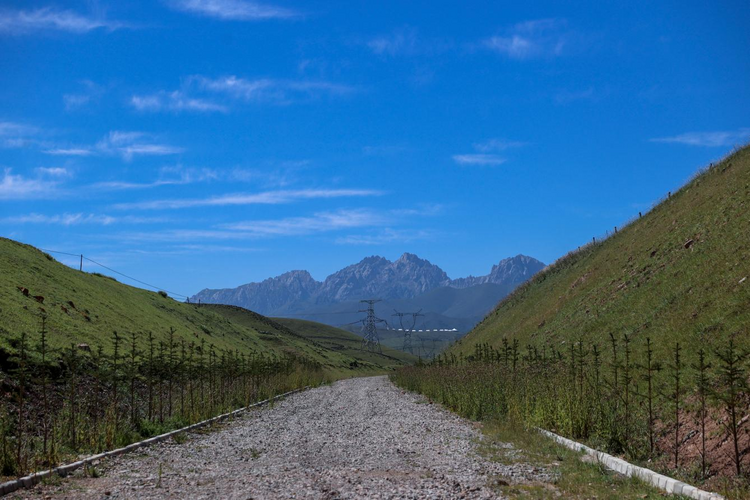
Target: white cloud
[17, 135]
[124, 144]
[130, 144]
[487, 153]
[74, 219]
[54, 171]
[494, 145]
[233, 10]
[69, 152]
[16, 129]
[50, 19]
[268, 89]
[479, 159]
[400, 42]
[17, 187]
[203, 94]
[406, 41]
[131, 150]
[91, 92]
[538, 38]
[170, 176]
[319, 222]
[264, 198]
[174, 101]
[74, 101]
[709, 139]
[387, 235]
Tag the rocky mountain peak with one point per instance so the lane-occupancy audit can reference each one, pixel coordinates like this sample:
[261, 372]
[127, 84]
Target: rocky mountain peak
[405, 278]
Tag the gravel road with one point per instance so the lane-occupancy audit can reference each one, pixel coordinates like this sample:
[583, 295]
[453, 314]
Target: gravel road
[357, 438]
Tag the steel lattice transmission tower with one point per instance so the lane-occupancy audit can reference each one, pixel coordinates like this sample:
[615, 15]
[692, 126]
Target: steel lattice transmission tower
[407, 347]
[370, 338]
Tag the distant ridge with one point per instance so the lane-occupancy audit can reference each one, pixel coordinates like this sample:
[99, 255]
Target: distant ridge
[408, 277]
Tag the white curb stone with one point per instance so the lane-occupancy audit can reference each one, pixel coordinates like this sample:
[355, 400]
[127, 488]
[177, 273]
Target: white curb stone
[627, 469]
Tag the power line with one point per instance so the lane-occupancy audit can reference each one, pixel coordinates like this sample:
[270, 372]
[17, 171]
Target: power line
[61, 253]
[370, 339]
[114, 271]
[324, 314]
[407, 346]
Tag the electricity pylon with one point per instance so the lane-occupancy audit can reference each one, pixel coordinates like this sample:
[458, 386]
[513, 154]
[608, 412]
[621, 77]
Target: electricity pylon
[370, 339]
[407, 347]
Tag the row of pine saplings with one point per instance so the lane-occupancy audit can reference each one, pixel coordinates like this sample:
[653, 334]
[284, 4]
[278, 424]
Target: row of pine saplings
[76, 400]
[619, 396]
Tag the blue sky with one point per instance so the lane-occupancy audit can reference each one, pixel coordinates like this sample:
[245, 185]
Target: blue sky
[209, 143]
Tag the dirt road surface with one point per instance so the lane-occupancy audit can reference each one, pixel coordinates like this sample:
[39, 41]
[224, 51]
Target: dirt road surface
[357, 438]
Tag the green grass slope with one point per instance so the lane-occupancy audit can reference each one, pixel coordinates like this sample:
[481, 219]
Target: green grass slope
[82, 307]
[346, 343]
[679, 273]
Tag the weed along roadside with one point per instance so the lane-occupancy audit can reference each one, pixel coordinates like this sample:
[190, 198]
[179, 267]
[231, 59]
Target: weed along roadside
[92, 402]
[90, 462]
[621, 400]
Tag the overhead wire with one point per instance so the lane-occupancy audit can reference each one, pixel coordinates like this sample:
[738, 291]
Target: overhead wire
[116, 272]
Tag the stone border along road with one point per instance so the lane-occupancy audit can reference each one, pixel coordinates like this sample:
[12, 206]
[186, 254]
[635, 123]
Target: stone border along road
[357, 438]
[648, 476]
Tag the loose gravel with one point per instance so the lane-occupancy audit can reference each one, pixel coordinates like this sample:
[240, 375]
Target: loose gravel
[357, 438]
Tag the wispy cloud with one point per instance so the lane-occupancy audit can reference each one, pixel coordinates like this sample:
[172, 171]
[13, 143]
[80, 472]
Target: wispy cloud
[233, 10]
[70, 152]
[263, 198]
[278, 174]
[530, 39]
[323, 222]
[75, 219]
[58, 172]
[479, 159]
[709, 139]
[406, 41]
[494, 145]
[268, 89]
[169, 176]
[486, 153]
[401, 42]
[17, 135]
[18, 22]
[124, 144]
[193, 249]
[387, 235]
[174, 101]
[16, 129]
[18, 187]
[319, 222]
[90, 93]
[204, 94]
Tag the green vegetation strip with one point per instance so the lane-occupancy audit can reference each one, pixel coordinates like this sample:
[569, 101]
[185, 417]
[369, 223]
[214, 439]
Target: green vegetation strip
[621, 466]
[64, 470]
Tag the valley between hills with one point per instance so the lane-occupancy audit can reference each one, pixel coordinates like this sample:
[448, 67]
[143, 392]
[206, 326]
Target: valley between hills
[636, 344]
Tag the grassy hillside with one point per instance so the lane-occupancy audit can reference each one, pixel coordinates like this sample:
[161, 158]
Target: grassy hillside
[679, 273]
[346, 343]
[82, 307]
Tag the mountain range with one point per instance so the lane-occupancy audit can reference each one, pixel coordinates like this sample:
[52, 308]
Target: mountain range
[408, 283]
